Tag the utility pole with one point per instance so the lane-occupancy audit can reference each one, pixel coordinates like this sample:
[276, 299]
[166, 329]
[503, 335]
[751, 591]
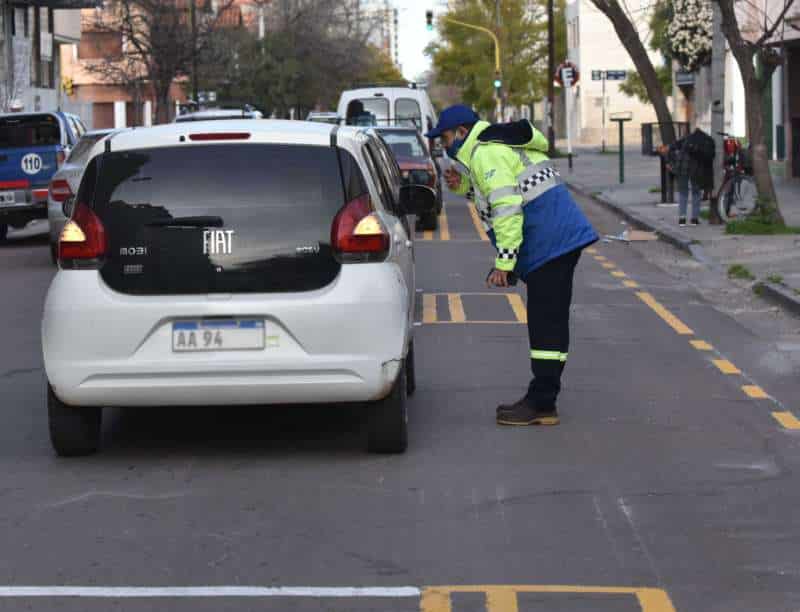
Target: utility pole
[717, 104]
[551, 71]
[499, 110]
[193, 11]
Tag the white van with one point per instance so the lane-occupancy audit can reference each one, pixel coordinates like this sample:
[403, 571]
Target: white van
[388, 105]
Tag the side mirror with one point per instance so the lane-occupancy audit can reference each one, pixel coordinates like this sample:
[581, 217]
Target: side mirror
[68, 206]
[417, 199]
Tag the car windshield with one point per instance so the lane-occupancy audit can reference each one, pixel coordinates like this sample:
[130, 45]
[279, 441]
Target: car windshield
[29, 131]
[403, 143]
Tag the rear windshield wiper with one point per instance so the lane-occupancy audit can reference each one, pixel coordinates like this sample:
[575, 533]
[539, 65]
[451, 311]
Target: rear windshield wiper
[199, 221]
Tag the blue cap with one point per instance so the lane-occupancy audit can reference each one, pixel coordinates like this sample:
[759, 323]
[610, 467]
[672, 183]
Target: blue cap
[452, 117]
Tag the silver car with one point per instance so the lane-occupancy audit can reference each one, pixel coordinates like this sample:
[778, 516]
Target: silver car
[236, 263]
[65, 184]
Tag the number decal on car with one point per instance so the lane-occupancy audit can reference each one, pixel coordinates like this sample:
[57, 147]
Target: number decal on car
[31, 163]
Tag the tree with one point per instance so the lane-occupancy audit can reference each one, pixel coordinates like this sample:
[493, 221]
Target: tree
[159, 42]
[748, 52]
[634, 86]
[633, 44]
[465, 58]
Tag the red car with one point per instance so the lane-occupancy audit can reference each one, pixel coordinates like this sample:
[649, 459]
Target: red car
[417, 166]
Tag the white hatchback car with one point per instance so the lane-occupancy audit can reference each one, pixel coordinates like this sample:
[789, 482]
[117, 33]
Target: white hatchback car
[234, 263]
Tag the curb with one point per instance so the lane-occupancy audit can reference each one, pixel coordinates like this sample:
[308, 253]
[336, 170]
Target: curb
[779, 295]
[669, 236]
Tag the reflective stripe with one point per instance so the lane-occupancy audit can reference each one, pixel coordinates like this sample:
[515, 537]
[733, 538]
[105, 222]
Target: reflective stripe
[523, 157]
[532, 169]
[506, 211]
[502, 192]
[548, 355]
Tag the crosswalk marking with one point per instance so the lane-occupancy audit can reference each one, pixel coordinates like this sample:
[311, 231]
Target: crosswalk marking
[429, 308]
[456, 308]
[457, 313]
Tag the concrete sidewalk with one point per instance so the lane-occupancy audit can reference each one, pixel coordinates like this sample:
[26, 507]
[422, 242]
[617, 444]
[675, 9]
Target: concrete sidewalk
[773, 260]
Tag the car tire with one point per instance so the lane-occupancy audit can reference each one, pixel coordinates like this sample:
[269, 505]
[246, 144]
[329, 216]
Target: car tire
[74, 431]
[388, 427]
[3, 231]
[411, 376]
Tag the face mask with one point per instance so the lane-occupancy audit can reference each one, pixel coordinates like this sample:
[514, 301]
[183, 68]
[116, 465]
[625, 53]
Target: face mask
[455, 147]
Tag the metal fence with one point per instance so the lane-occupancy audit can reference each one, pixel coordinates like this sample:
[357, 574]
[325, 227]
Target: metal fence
[651, 136]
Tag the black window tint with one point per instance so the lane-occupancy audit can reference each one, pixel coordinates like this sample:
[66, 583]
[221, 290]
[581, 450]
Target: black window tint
[88, 182]
[387, 193]
[278, 201]
[390, 164]
[29, 131]
[354, 184]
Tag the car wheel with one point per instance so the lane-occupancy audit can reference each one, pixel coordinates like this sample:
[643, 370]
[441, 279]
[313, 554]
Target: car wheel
[3, 231]
[388, 427]
[73, 431]
[411, 376]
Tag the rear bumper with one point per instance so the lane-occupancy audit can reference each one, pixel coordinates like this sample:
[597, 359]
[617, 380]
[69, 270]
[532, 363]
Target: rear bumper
[340, 344]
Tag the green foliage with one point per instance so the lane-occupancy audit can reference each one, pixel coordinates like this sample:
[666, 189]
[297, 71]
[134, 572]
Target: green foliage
[757, 226]
[775, 278]
[465, 58]
[739, 271]
[634, 87]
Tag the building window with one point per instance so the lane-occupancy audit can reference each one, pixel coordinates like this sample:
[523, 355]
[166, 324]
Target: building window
[19, 26]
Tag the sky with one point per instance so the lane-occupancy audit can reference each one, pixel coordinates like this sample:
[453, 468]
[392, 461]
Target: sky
[413, 36]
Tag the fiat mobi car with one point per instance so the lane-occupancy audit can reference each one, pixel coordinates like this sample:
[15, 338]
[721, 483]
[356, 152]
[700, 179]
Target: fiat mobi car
[234, 263]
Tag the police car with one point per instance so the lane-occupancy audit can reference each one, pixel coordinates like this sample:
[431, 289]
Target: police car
[234, 263]
[32, 147]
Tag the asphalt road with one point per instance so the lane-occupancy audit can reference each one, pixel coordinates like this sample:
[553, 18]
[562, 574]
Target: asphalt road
[666, 487]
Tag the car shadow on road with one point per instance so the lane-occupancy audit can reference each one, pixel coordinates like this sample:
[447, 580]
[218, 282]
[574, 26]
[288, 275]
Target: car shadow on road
[272, 431]
[13, 242]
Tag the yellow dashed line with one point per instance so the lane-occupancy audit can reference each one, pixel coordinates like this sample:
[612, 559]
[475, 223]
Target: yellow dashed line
[444, 228]
[456, 308]
[787, 419]
[476, 221]
[631, 284]
[618, 274]
[518, 307]
[591, 250]
[725, 366]
[600, 257]
[429, 308]
[670, 319]
[701, 345]
[609, 266]
[755, 392]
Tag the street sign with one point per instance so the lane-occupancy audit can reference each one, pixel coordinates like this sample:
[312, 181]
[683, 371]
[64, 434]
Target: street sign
[684, 78]
[597, 75]
[621, 116]
[567, 74]
[616, 75]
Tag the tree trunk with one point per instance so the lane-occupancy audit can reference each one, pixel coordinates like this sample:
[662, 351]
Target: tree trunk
[629, 38]
[162, 105]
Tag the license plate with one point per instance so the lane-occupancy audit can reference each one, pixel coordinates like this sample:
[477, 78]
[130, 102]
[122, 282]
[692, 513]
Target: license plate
[217, 335]
[7, 198]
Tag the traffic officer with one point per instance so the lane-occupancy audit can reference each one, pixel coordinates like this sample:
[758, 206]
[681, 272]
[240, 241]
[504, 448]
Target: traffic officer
[538, 232]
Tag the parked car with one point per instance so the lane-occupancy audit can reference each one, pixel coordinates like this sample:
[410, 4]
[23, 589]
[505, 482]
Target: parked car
[323, 117]
[391, 105]
[194, 272]
[220, 113]
[65, 184]
[32, 147]
[417, 166]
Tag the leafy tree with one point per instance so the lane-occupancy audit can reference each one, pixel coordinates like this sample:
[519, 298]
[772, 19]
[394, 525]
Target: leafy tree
[465, 58]
[634, 86]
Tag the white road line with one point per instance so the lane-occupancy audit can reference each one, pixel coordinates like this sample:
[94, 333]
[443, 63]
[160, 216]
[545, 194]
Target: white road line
[112, 592]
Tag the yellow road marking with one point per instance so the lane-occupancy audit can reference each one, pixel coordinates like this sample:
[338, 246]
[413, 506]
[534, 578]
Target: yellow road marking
[444, 228]
[787, 419]
[456, 308]
[608, 265]
[670, 319]
[429, 308]
[618, 274]
[725, 366]
[503, 598]
[631, 284]
[470, 322]
[518, 307]
[755, 392]
[701, 345]
[591, 250]
[476, 221]
[600, 257]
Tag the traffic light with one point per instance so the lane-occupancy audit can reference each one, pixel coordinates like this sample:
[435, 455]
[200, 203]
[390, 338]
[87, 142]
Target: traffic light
[497, 83]
[429, 20]
[67, 85]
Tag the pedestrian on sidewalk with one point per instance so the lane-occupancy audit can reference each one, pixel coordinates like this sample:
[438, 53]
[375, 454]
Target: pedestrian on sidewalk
[691, 159]
[538, 232]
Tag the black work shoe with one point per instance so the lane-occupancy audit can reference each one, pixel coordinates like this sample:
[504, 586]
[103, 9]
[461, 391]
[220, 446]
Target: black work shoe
[510, 407]
[682, 221]
[521, 413]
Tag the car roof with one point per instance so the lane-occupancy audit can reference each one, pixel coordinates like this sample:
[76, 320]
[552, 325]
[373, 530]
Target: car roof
[216, 113]
[273, 131]
[31, 114]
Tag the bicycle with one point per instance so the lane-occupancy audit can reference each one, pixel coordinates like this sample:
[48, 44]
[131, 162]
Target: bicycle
[737, 195]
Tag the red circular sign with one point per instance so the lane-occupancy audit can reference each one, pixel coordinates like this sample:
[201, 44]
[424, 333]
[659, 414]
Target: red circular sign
[567, 65]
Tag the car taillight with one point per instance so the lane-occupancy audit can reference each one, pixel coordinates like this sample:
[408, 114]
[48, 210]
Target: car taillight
[83, 237]
[59, 190]
[357, 229]
[60, 158]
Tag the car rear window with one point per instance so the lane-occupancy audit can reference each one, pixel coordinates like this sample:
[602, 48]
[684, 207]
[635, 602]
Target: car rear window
[278, 201]
[80, 153]
[406, 112]
[403, 143]
[29, 131]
